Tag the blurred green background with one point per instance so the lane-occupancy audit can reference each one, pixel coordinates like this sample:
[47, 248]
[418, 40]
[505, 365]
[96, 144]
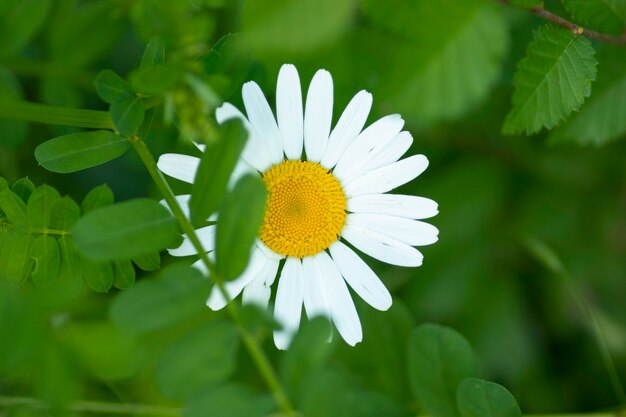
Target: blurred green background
[447, 67]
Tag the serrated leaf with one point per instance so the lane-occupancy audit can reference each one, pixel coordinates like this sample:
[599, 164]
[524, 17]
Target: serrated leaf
[70, 270]
[178, 293]
[439, 359]
[216, 166]
[238, 225]
[608, 16]
[127, 113]
[203, 357]
[15, 261]
[125, 230]
[98, 274]
[155, 79]
[13, 207]
[78, 151]
[23, 188]
[148, 262]
[478, 398]
[602, 119]
[551, 81]
[123, 274]
[111, 86]
[63, 214]
[100, 196]
[39, 207]
[45, 252]
[154, 54]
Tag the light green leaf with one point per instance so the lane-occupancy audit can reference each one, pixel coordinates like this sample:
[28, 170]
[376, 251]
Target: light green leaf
[78, 151]
[15, 261]
[178, 294]
[111, 86]
[203, 357]
[154, 54]
[123, 274]
[155, 79]
[551, 81]
[478, 398]
[127, 113]
[229, 401]
[125, 230]
[608, 16]
[241, 216]
[23, 188]
[70, 270]
[39, 207]
[19, 22]
[148, 262]
[98, 274]
[602, 119]
[12, 132]
[13, 207]
[439, 359]
[216, 166]
[64, 214]
[100, 196]
[45, 252]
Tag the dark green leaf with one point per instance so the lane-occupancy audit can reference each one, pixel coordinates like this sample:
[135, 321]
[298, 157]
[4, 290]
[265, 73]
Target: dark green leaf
[125, 230]
[230, 401]
[78, 151]
[241, 215]
[23, 188]
[551, 81]
[216, 166]
[45, 253]
[13, 207]
[330, 386]
[101, 196]
[19, 22]
[149, 261]
[64, 214]
[70, 270]
[478, 398]
[154, 54]
[123, 274]
[439, 359]
[98, 274]
[606, 16]
[15, 260]
[111, 86]
[178, 294]
[203, 357]
[39, 207]
[127, 113]
[526, 4]
[12, 132]
[155, 79]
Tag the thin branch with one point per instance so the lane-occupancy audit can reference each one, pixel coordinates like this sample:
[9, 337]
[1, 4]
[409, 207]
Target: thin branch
[579, 30]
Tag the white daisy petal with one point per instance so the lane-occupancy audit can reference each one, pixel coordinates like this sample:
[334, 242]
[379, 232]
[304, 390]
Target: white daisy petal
[373, 139]
[316, 297]
[258, 292]
[207, 238]
[289, 298]
[262, 119]
[216, 299]
[343, 311]
[201, 146]
[289, 111]
[348, 128]
[181, 167]
[318, 115]
[382, 247]
[360, 277]
[183, 202]
[409, 206]
[388, 154]
[411, 232]
[256, 152]
[388, 177]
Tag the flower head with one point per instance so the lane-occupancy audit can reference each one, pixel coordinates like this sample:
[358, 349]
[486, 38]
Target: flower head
[326, 187]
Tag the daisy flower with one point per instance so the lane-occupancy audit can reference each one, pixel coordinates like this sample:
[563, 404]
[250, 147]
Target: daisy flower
[327, 195]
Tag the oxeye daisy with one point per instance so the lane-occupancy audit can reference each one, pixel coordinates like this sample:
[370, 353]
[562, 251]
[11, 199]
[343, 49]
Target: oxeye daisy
[327, 196]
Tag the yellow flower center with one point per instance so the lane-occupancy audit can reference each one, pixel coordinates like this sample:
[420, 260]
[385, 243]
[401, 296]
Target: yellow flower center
[306, 209]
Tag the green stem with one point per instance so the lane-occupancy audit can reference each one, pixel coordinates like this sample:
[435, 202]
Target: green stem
[41, 113]
[95, 407]
[258, 356]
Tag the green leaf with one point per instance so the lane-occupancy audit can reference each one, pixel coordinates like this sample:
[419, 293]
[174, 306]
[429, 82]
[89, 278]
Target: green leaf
[606, 16]
[78, 151]
[19, 22]
[216, 166]
[100, 196]
[203, 357]
[111, 86]
[125, 230]
[329, 385]
[148, 262]
[526, 4]
[154, 54]
[70, 270]
[127, 113]
[39, 207]
[45, 252]
[15, 261]
[64, 213]
[13, 207]
[98, 274]
[602, 119]
[23, 188]
[551, 80]
[123, 274]
[439, 359]
[241, 216]
[478, 398]
[230, 401]
[178, 294]
[12, 132]
[155, 79]
[447, 55]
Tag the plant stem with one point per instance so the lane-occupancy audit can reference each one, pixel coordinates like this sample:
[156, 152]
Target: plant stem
[41, 113]
[257, 354]
[579, 30]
